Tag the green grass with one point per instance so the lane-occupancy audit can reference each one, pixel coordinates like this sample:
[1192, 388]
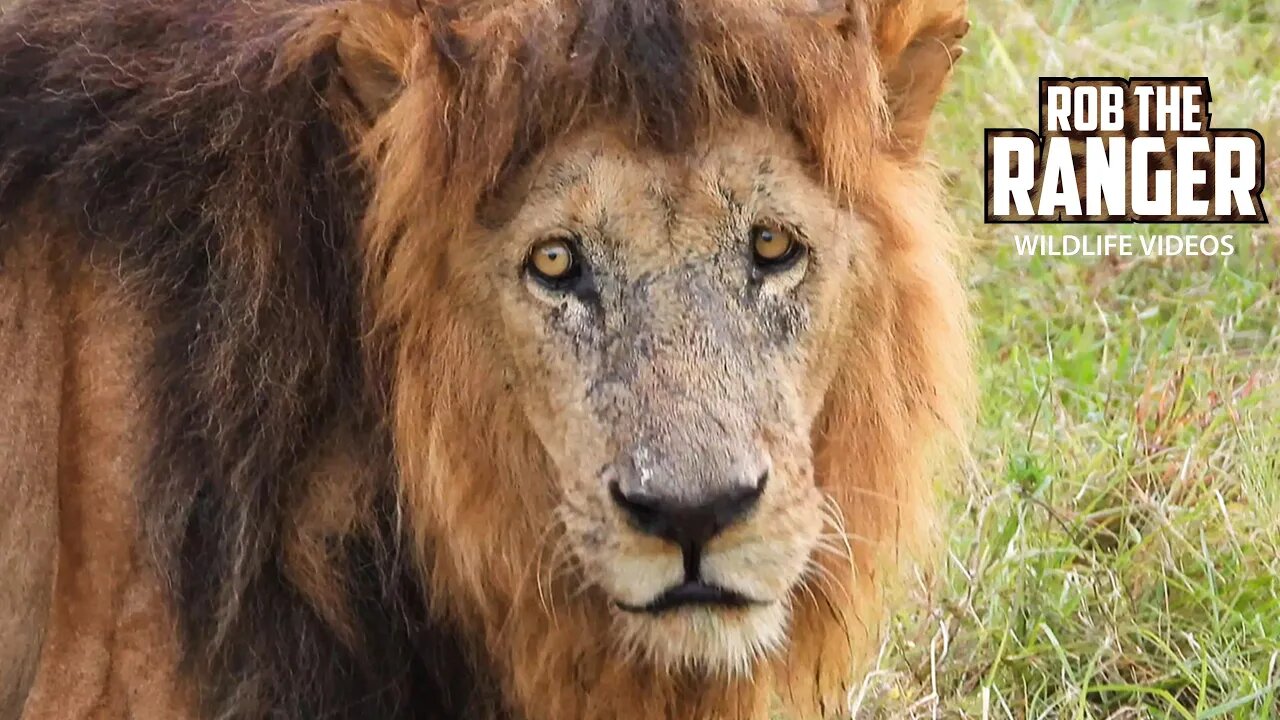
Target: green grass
[1115, 550]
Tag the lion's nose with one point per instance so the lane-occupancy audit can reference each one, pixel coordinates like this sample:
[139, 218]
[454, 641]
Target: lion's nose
[688, 524]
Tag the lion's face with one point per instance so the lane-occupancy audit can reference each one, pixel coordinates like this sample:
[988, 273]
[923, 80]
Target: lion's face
[670, 321]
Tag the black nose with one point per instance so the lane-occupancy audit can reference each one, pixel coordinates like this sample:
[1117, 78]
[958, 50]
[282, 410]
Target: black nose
[689, 524]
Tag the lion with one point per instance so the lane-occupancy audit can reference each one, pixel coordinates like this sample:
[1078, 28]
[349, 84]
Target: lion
[538, 359]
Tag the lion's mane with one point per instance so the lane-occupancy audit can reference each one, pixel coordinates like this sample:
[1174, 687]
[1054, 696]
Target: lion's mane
[231, 162]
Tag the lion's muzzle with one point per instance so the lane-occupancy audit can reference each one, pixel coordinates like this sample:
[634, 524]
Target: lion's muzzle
[689, 524]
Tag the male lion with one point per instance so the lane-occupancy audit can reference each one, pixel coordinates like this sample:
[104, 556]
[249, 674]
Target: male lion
[542, 359]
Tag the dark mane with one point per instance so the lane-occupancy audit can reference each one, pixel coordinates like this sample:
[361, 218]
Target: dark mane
[175, 141]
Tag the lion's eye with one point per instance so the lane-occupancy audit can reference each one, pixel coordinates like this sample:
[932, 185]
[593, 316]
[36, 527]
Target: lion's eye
[552, 261]
[772, 247]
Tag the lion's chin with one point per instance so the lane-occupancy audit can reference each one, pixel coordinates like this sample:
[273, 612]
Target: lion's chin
[723, 638]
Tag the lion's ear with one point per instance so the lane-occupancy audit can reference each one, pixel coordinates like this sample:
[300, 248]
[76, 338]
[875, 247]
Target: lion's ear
[374, 42]
[918, 42]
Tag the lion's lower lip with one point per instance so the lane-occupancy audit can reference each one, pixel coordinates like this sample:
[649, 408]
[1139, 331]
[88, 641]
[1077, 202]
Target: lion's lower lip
[692, 594]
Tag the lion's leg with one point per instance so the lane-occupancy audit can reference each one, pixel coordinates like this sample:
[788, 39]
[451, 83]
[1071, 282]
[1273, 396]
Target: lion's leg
[109, 652]
[30, 384]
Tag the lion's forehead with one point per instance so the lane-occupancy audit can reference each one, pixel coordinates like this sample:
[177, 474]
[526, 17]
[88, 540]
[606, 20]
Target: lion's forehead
[659, 210]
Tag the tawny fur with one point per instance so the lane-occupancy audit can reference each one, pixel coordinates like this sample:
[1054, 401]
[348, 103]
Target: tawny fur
[31, 347]
[280, 190]
[110, 650]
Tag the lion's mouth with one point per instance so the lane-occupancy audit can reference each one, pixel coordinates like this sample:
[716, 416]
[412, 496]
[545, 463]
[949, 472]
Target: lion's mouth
[693, 593]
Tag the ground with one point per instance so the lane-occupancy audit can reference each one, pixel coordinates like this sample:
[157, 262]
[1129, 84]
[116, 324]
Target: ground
[1115, 549]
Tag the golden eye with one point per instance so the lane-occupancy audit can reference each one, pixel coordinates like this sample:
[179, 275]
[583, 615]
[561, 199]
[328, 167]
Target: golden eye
[552, 260]
[772, 246]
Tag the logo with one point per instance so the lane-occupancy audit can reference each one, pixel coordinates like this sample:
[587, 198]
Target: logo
[1116, 150]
